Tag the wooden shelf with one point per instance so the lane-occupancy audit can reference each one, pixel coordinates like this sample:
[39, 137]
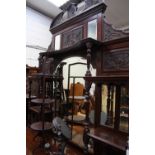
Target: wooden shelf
[109, 137]
[81, 45]
[38, 126]
[43, 101]
[105, 79]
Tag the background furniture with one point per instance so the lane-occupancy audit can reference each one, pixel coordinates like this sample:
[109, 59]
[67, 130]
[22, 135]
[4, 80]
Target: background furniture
[42, 126]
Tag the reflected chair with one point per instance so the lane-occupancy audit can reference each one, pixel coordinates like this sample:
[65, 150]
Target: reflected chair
[76, 97]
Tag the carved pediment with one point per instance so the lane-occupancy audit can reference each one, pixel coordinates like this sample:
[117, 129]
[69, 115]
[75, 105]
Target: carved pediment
[110, 33]
[71, 9]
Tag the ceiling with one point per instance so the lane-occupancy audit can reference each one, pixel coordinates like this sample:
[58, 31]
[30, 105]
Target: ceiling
[44, 6]
[117, 12]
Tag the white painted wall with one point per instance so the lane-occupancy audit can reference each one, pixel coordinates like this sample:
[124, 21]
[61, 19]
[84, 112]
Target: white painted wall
[37, 34]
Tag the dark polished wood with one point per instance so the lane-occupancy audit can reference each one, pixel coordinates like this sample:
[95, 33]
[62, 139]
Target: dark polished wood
[106, 79]
[110, 137]
[109, 33]
[116, 60]
[109, 141]
[43, 101]
[28, 101]
[110, 77]
[79, 17]
[42, 78]
[116, 43]
[30, 97]
[109, 55]
[81, 45]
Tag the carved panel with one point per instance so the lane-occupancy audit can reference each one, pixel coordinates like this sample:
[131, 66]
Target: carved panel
[57, 20]
[110, 33]
[116, 60]
[72, 37]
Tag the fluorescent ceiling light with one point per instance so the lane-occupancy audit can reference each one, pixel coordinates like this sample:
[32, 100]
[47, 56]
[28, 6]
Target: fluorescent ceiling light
[58, 3]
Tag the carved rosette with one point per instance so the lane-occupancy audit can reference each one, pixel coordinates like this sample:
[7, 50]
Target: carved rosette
[72, 10]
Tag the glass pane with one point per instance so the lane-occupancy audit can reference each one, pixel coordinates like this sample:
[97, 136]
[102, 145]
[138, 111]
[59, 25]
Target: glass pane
[124, 109]
[57, 42]
[108, 105]
[92, 29]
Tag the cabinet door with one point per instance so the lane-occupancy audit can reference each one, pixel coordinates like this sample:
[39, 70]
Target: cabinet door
[124, 109]
[108, 105]
[115, 106]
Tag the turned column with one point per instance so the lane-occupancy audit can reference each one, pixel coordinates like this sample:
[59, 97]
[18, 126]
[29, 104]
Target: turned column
[40, 59]
[89, 46]
[111, 104]
[108, 106]
[86, 138]
[110, 98]
[87, 83]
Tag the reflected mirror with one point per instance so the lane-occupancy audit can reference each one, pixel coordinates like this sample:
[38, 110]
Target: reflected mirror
[108, 105]
[75, 105]
[124, 109]
[92, 29]
[57, 42]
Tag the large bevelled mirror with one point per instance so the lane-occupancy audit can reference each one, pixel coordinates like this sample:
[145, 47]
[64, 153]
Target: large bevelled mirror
[75, 105]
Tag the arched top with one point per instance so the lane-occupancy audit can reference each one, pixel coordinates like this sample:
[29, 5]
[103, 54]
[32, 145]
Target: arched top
[111, 33]
[75, 8]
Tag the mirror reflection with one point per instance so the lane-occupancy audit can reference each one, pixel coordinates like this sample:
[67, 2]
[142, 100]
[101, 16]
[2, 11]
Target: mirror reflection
[57, 42]
[74, 107]
[124, 109]
[108, 105]
[92, 29]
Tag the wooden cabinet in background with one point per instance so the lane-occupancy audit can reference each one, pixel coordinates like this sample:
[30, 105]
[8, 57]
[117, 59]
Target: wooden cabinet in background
[31, 70]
